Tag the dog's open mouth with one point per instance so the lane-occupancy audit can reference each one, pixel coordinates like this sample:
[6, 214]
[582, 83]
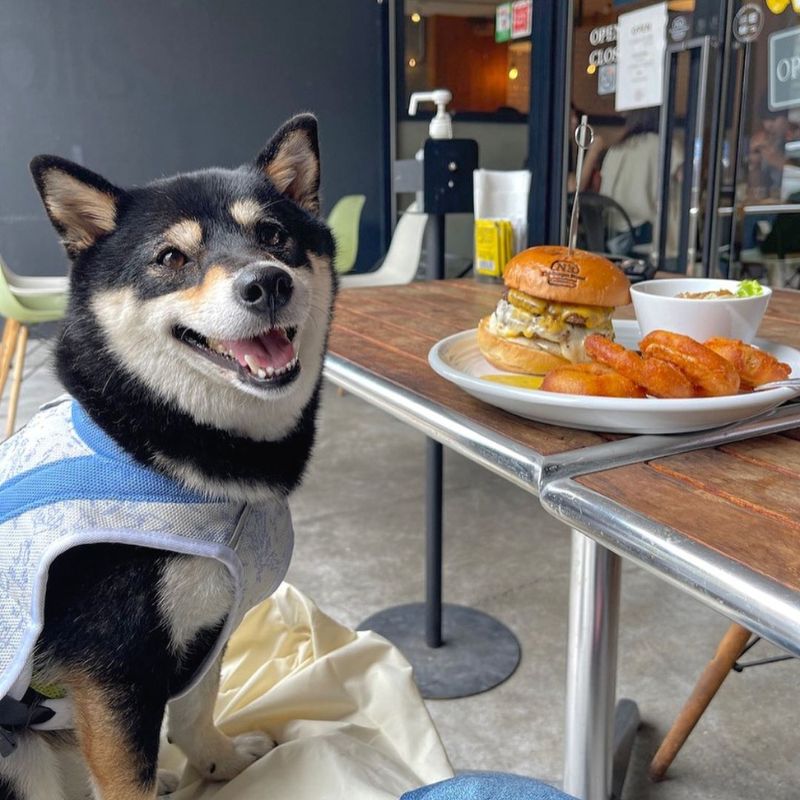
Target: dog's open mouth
[266, 360]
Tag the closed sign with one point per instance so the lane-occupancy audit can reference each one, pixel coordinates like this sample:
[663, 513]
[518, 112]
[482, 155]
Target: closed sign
[784, 69]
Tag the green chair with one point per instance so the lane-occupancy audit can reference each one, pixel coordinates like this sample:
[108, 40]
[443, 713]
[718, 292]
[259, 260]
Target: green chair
[344, 221]
[26, 301]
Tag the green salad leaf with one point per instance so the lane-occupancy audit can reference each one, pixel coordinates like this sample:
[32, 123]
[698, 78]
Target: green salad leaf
[749, 289]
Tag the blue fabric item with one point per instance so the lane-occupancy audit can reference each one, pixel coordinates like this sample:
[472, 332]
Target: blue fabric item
[65, 483]
[487, 786]
[108, 473]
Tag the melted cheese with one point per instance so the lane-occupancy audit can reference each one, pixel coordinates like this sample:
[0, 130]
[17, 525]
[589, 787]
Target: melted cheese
[550, 331]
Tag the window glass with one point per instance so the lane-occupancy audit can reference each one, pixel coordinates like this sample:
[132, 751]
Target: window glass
[454, 44]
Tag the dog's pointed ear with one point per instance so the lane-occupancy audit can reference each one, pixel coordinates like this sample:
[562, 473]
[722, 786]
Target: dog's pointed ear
[291, 161]
[81, 205]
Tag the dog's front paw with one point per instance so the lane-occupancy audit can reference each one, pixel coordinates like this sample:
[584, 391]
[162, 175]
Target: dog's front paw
[167, 782]
[242, 752]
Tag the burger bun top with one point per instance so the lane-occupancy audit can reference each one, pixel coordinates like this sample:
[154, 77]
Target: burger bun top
[553, 273]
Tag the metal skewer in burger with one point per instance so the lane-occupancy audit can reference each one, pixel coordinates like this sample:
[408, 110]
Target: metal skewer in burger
[555, 297]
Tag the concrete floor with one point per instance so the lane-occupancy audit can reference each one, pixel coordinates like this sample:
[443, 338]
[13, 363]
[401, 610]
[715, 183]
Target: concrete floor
[359, 547]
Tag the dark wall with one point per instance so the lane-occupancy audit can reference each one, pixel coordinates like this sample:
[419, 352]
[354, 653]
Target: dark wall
[137, 89]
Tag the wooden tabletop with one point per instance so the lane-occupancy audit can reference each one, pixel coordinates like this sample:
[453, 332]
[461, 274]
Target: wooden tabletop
[740, 500]
[389, 330]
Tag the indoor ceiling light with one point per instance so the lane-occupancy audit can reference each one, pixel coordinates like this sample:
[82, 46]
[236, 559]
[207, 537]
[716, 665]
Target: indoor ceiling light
[513, 74]
[415, 17]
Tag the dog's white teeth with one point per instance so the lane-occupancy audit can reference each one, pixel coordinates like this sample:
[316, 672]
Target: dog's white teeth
[262, 373]
[270, 372]
[251, 362]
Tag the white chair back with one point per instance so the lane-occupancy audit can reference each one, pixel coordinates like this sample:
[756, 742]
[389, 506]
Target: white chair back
[402, 259]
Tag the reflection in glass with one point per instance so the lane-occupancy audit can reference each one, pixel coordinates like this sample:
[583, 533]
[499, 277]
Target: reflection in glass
[454, 45]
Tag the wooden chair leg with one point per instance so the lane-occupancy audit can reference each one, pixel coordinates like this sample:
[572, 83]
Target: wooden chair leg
[730, 648]
[19, 363]
[10, 335]
[7, 329]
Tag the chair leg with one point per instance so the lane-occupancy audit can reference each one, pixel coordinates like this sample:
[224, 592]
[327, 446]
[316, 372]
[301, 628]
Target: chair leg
[19, 363]
[8, 327]
[10, 334]
[730, 648]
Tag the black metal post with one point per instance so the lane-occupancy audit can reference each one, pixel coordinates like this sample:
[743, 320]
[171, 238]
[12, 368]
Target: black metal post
[433, 544]
[434, 246]
[547, 122]
[464, 651]
[434, 460]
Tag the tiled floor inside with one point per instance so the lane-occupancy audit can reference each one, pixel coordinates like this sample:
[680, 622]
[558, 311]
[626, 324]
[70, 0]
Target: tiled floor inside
[359, 548]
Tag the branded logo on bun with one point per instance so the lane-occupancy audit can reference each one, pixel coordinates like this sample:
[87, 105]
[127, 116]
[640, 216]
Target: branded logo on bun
[553, 300]
[564, 273]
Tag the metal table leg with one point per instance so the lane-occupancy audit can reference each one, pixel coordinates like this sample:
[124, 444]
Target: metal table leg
[592, 770]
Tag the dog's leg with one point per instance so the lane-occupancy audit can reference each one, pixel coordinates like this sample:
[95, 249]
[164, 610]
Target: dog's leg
[191, 727]
[31, 772]
[118, 733]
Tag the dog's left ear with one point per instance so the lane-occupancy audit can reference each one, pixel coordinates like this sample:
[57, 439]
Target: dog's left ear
[81, 204]
[291, 161]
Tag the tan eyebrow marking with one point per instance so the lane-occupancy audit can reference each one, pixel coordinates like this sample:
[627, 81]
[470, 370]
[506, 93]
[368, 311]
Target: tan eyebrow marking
[186, 235]
[246, 212]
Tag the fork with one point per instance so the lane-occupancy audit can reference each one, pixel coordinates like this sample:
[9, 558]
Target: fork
[788, 383]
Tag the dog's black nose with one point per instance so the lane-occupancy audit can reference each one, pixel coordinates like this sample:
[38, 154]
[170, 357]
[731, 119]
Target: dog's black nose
[263, 289]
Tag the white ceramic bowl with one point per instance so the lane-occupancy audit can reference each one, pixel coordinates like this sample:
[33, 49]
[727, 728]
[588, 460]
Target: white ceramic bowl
[657, 308]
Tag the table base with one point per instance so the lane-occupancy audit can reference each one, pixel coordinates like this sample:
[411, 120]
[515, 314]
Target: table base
[477, 653]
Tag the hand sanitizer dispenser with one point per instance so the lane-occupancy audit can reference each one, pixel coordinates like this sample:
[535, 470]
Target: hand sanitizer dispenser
[447, 163]
[441, 126]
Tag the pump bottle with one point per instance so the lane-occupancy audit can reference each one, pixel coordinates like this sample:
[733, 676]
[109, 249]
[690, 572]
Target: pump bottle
[441, 126]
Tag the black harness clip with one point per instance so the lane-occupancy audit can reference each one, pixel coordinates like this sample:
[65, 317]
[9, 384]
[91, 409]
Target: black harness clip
[16, 715]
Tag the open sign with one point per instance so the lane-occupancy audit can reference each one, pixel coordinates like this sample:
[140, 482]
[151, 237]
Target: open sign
[784, 69]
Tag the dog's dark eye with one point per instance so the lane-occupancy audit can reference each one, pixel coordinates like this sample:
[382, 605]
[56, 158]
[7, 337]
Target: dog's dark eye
[172, 257]
[270, 235]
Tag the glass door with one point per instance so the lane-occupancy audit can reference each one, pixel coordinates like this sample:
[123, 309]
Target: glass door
[696, 107]
[644, 74]
[760, 192]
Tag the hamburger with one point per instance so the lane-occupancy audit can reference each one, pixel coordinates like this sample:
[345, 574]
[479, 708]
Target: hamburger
[553, 300]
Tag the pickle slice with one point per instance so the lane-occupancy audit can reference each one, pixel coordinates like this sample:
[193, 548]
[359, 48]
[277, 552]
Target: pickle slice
[533, 305]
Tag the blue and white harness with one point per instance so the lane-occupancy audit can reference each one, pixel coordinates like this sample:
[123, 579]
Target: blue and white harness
[63, 483]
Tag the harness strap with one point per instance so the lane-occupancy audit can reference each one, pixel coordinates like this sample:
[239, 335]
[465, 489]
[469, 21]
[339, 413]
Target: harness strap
[17, 715]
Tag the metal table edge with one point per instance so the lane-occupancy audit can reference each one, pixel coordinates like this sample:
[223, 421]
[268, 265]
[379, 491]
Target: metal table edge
[498, 453]
[760, 604]
[648, 447]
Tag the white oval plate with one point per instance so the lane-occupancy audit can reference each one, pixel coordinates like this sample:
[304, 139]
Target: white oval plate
[458, 359]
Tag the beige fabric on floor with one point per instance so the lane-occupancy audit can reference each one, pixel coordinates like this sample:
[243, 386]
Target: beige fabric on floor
[342, 706]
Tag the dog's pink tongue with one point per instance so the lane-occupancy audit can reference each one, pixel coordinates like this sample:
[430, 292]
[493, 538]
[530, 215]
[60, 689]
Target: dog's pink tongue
[270, 349]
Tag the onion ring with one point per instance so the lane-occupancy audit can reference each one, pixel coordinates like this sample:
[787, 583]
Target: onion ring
[596, 380]
[658, 378]
[709, 372]
[755, 367]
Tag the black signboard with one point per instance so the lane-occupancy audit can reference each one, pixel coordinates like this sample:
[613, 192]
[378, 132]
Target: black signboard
[784, 69]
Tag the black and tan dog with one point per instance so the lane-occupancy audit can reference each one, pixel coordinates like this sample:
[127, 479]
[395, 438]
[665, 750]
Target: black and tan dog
[193, 344]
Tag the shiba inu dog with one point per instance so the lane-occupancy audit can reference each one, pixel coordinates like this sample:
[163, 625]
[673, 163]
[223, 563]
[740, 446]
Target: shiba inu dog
[151, 503]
